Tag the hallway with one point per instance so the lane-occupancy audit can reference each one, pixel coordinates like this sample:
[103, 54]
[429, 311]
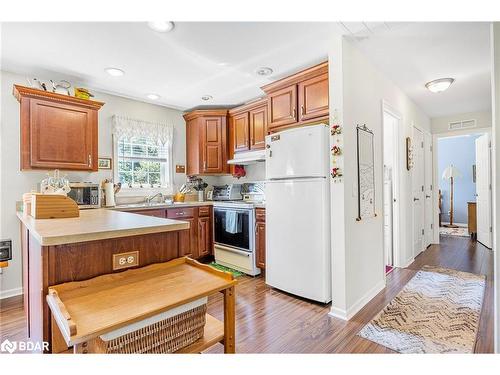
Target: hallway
[269, 321]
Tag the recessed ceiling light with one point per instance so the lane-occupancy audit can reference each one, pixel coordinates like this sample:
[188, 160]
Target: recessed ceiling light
[207, 97]
[161, 26]
[264, 71]
[223, 63]
[153, 96]
[439, 85]
[115, 72]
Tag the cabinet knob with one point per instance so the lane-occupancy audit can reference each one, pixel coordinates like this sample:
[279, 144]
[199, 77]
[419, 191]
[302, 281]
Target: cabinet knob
[90, 160]
[294, 113]
[301, 111]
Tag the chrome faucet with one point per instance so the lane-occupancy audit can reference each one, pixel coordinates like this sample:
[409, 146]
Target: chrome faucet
[150, 198]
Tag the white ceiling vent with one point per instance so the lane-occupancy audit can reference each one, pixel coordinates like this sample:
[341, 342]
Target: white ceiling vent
[464, 124]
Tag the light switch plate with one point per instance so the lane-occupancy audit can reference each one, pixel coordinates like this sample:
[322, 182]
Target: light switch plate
[125, 260]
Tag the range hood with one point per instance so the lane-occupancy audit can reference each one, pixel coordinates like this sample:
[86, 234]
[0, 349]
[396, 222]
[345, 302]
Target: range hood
[248, 157]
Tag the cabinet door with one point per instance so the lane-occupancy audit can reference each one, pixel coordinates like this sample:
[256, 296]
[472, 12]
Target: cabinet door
[62, 136]
[282, 107]
[258, 127]
[260, 244]
[213, 143]
[192, 147]
[240, 132]
[188, 239]
[313, 98]
[204, 236]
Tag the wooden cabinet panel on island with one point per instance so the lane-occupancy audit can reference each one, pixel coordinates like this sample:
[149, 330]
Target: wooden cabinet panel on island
[57, 131]
[206, 142]
[300, 99]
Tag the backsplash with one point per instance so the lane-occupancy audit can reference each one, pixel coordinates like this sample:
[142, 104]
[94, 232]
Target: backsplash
[255, 172]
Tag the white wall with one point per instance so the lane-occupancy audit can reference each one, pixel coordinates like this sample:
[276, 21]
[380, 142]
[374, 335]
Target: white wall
[14, 183]
[357, 246]
[440, 124]
[495, 94]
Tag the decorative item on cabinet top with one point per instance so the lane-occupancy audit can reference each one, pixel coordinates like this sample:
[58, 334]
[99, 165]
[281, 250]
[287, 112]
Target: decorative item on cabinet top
[20, 92]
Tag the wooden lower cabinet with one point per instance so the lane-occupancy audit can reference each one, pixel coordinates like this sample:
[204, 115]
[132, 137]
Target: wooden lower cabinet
[195, 242]
[260, 237]
[188, 240]
[204, 238]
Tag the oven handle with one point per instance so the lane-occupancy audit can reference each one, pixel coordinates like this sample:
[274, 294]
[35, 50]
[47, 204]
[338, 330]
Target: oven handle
[240, 252]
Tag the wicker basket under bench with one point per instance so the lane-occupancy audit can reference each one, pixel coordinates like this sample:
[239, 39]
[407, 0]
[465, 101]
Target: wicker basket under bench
[159, 308]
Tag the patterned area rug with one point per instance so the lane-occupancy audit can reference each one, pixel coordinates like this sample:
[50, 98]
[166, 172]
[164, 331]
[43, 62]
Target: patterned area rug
[460, 231]
[437, 312]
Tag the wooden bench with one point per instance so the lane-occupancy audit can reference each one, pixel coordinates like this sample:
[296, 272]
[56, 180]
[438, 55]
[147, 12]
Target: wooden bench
[84, 310]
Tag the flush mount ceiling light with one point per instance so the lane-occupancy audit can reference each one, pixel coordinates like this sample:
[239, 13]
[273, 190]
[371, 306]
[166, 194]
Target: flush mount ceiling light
[264, 71]
[115, 72]
[153, 96]
[439, 85]
[207, 97]
[161, 26]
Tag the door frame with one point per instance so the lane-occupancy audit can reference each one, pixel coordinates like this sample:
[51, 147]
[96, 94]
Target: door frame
[396, 183]
[435, 157]
[433, 187]
[421, 130]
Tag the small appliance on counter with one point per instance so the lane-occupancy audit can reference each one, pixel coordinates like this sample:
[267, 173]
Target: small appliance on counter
[85, 194]
[227, 192]
[253, 192]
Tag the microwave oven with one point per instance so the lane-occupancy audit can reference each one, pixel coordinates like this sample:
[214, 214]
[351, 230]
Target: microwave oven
[85, 194]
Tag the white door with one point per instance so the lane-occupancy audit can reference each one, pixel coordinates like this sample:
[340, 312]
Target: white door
[429, 216]
[298, 237]
[418, 191]
[300, 152]
[483, 190]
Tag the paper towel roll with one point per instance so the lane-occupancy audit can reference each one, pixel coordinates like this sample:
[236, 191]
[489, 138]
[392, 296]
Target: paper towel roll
[109, 192]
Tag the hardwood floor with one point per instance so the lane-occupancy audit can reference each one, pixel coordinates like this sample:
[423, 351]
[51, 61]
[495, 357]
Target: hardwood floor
[270, 321]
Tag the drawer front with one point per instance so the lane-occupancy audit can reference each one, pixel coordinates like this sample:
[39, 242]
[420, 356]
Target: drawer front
[157, 213]
[204, 211]
[260, 214]
[178, 213]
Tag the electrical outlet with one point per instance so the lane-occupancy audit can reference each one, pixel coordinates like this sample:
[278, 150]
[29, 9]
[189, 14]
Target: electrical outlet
[125, 260]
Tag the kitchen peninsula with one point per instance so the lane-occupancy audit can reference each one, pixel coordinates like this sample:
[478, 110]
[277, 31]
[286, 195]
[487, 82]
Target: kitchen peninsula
[98, 242]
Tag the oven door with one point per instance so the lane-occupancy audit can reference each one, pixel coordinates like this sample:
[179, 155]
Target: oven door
[234, 227]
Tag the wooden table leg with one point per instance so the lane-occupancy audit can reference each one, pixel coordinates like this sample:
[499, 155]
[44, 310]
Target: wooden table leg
[229, 320]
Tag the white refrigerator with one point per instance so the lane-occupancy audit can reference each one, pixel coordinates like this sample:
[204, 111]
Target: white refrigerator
[298, 257]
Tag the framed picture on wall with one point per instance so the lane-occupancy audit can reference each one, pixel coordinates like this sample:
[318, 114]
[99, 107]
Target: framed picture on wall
[104, 163]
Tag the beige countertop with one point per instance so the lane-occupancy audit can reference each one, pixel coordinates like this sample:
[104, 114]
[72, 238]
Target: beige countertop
[96, 224]
[158, 206]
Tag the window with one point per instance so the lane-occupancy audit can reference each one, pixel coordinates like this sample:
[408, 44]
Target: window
[142, 163]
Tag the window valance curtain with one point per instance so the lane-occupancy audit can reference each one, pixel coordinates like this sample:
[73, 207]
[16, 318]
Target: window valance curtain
[163, 133]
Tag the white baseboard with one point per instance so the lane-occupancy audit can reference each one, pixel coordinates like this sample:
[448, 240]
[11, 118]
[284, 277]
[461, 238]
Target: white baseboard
[408, 263]
[353, 310]
[11, 293]
[462, 225]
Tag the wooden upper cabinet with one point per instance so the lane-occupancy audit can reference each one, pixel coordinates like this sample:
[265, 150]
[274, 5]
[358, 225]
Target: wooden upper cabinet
[313, 98]
[57, 131]
[282, 107]
[240, 132]
[206, 142]
[299, 99]
[258, 127]
[248, 126]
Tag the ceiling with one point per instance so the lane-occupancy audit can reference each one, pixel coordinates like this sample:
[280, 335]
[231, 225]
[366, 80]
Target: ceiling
[194, 59]
[411, 54]
[221, 58]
